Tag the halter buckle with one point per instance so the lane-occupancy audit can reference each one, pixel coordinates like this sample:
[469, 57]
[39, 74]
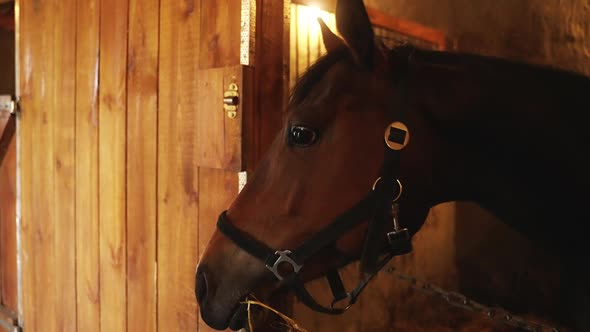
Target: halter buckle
[399, 238]
[283, 258]
[350, 302]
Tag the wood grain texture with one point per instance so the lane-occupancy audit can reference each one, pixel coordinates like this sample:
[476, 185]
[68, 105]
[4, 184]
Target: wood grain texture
[178, 177]
[220, 34]
[142, 139]
[64, 132]
[47, 89]
[8, 268]
[31, 24]
[87, 207]
[270, 78]
[217, 189]
[112, 164]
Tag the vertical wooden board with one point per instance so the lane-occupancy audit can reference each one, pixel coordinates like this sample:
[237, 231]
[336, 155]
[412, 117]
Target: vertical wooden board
[270, 77]
[112, 166]
[48, 53]
[31, 19]
[8, 275]
[142, 136]
[293, 47]
[64, 135]
[220, 33]
[219, 138]
[178, 176]
[87, 122]
[217, 189]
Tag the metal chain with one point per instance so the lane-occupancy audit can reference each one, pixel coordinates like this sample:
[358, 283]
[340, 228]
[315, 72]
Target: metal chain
[459, 300]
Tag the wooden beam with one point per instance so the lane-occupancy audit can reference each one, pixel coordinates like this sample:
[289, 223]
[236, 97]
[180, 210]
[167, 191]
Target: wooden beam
[142, 140]
[87, 124]
[7, 15]
[408, 28]
[112, 164]
[48, 176]
[7, 22]
[178, 173]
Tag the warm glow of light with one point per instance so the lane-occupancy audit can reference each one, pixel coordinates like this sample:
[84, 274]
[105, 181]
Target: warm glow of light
[306, 43]
[307, 18]
[315, 11]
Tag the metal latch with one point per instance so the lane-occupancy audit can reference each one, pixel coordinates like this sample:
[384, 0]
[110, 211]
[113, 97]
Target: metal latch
[8, 320]
[231, 100]
[8, 104]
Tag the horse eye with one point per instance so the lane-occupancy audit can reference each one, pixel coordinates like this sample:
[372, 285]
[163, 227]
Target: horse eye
[302, 136]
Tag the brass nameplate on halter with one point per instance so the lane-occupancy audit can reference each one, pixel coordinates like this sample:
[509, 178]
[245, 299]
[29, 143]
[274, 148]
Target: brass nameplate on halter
[397, 136]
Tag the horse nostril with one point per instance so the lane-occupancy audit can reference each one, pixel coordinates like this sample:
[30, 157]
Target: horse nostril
[201, 287]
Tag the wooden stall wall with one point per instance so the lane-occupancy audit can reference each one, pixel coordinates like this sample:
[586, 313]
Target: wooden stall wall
[116, 205]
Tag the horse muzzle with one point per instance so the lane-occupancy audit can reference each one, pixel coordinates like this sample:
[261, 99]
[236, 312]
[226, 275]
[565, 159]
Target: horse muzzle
[224, 278]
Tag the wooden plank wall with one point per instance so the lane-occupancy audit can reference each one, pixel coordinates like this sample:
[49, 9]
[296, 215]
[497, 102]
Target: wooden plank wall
[115, 207]
[178, 175]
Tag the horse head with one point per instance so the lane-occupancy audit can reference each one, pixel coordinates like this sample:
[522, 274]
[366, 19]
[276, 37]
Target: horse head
[327, 157]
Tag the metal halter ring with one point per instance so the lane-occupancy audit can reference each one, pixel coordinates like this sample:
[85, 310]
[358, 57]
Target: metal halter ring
[397, 136]
[399, 185]
[283, 258]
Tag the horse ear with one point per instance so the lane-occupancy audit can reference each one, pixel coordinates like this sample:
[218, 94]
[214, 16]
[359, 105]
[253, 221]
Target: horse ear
[331, 41]
[355, 26]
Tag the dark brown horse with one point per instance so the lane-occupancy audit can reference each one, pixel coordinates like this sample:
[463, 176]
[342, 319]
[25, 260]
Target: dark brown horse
[508, 136]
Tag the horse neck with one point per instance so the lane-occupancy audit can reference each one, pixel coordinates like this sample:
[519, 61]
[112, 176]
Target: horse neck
[509, 137]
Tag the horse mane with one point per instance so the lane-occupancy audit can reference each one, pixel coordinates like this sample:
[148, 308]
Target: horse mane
[407, 55]
[483, 62]
[523, 125]
[492, 67]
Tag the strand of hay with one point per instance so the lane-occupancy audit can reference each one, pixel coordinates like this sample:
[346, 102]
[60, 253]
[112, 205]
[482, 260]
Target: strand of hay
[289, 322]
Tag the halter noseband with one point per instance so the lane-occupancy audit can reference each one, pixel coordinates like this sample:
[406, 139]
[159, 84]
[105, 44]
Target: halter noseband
[380, 204]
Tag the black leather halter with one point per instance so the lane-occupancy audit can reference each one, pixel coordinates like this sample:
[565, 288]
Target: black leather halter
[376, 203]
[379, 206]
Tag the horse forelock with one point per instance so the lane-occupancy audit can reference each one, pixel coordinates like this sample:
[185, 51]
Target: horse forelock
[315, 73]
